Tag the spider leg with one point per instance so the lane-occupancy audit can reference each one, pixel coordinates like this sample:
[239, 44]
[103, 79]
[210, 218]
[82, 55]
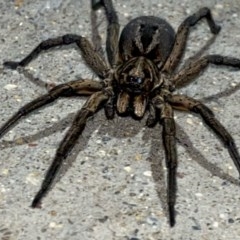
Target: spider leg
[109, 108]
[152, 118]
[185, 103]
[90, 107]
[96, 37]
[112, 30]
[184, 76]
[91, 57]
[169, 142]
[182, 35]
[96, 4]
[80, 88]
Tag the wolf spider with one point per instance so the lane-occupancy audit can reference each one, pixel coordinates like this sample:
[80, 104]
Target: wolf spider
[140, 78]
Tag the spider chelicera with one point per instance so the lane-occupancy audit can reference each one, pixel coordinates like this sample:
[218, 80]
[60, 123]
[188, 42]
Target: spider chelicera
[139, 79]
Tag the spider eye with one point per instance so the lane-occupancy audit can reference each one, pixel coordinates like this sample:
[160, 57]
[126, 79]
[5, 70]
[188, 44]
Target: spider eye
[135, 80]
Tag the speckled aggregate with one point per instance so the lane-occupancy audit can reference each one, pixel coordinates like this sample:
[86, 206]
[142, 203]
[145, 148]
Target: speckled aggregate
[113, 184]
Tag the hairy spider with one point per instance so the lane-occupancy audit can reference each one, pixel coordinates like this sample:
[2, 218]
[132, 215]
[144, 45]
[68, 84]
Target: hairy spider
[140, 78]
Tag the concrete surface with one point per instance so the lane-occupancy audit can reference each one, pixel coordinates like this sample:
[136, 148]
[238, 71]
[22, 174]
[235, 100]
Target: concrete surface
[113, 184]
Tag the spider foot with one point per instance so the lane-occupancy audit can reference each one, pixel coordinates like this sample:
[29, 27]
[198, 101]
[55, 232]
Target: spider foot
[11, 65]
[151, 121]
[36, 203]
[171, 216]
[216, 29]
[205, 12]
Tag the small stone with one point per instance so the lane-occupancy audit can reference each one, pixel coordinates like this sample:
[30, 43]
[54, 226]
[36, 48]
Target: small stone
[103, 219]
[138, 157]
[215, 224]
[152, 221]
[230, 220]
[219, 6]
[54, 119]
[102, 153]
[147, 173]
[10, 87]
[33, 178]
[19, 141]
[128, 169]
[53, 213]
[221, 215]
[55, 225]
[5, 171]
[189, 121]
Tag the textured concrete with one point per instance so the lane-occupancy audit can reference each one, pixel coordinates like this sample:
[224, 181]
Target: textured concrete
[113, 184]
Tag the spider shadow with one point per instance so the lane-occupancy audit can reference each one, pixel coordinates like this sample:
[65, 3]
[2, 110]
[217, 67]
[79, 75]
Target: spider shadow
[226, 93]
[129, 128]
[184, 140]
[35, 80]
[199, 53]
[27, 73]
[97, 43]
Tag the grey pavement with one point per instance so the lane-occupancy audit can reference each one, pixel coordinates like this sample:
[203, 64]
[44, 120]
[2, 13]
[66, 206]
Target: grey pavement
[113, 186]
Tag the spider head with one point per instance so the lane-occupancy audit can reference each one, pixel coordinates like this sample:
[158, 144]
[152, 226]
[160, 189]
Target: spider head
[137, 76]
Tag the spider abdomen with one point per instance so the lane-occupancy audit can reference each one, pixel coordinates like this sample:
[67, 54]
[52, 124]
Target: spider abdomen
[147, 36]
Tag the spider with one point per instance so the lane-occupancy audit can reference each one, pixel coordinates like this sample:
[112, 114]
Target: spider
[139, 79]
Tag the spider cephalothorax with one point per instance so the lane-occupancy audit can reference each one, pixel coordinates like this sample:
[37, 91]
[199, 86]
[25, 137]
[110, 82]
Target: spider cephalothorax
[135, 81]
[140, 77]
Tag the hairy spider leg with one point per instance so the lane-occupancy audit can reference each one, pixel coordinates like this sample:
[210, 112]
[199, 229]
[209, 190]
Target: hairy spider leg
[91, 57]
[80, 88]
[111, 44]
[92, 105]
[187, 74]
[182, 35]
[96, 4]
[112, 32]
[185, 103]
[169, 142]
